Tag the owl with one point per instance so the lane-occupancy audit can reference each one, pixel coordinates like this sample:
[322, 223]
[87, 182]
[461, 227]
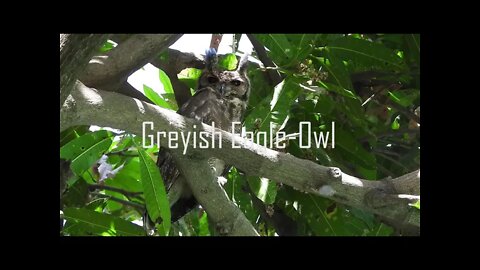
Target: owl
[221, 97]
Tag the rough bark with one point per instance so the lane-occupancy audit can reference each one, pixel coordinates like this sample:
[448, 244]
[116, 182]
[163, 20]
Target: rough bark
[75, 52]
[229, 219]
[110, 70]
[389, 199]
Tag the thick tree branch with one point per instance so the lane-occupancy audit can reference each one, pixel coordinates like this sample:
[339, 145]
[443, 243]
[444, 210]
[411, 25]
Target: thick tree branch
[110, 70]
[228, 218]
[75, 52]
[88, 106]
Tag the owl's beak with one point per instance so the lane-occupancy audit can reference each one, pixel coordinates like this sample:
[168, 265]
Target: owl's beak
[222, 89]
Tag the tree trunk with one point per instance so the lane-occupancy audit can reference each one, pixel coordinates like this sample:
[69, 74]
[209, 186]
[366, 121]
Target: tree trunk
[76, 50]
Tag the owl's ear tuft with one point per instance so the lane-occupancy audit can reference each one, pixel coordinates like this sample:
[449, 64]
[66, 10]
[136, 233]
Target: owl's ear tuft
[211, 59]
[243, 64]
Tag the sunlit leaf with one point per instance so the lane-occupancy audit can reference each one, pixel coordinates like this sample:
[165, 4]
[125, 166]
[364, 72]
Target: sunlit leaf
[155, 97]
[280, 49]
[404, 97]
[396, 124]
[237, 192]
[72, 133]
[86, 150]
[417, 204]
[154, 190]
[88, 222]
[364, 53]
[263, 188]
[165, 80]
[107, 46]
[203, 229]
[228, 61]
[272, 112]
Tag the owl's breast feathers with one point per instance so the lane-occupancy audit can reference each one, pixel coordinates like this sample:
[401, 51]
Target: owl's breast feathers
[207, 106]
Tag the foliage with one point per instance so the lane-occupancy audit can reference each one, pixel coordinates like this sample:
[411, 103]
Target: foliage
[364, 83]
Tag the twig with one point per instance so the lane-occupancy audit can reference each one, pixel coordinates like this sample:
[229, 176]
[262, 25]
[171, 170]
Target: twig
[137, 206]
[121, 191]
[122, 153]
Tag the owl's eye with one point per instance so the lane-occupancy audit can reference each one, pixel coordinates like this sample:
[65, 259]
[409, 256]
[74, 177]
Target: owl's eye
[212, 79]
[236, 82]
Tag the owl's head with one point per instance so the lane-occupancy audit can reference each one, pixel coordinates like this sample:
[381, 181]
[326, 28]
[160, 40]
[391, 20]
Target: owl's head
[230, 84]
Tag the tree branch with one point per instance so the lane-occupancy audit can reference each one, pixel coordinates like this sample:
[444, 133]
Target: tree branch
[88, 106]
[228, 218]
[110, 70]
[126, 193]
[137, 206]
[75, 52]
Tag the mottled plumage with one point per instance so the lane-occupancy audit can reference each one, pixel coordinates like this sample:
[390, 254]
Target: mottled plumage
[221, 97]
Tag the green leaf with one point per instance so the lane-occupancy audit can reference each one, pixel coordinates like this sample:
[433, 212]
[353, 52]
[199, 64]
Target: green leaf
[88, 222]
[274, 109]
[366, 54]
[189, 76]
[128, 178]
[262, 89]
[353, 149]
[72, 133]
[86, 150]
[124, 143]
[417, 205]
[155, 97]
[107, 46]
[338, 80]
[404, 97]
[263, 188]
[280, 49]
[154, 190]
[236, 191]
[287, 50]
[302, 44]
[228, 61]
[165, 80]
[76, 194]
[324, 105]
[170, 99]
[413, 48]
[203, 229]
[338, 89]
[396, 124]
